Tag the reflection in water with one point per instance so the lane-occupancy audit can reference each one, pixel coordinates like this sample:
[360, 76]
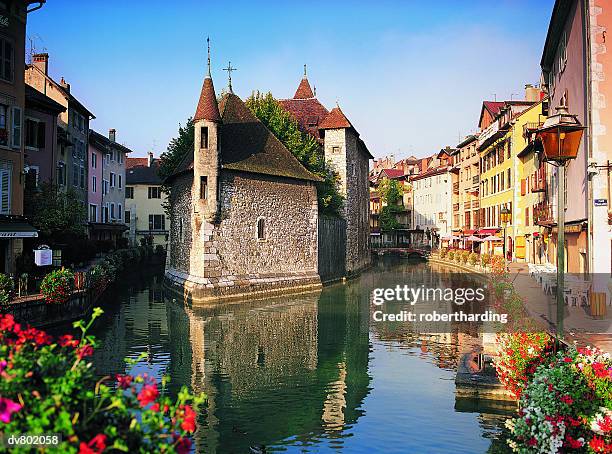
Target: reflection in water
[305, 373]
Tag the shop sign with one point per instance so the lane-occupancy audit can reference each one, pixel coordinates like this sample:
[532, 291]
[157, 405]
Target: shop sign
[43, 257]
[601, 202]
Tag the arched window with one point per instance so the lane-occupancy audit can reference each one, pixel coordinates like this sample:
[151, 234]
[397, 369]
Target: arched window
[261, 229]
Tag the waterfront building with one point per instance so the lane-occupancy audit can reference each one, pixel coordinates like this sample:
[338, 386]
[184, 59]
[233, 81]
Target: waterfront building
[106, 197]
[40, 136]
[497, 173]
[532, 186]
[347, 154]
[575, 64]
[72, 166]
[244, 211]
[467, 168]
[432, 197]
[145, 213]
[13, 228]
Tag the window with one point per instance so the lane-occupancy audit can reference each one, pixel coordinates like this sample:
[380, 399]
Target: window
[154, 192]
[129, 192]
[120, 157]
[94, 184]
[94, 161]
[112, 211]
[93, 213]
[16, 129]
[6, 60]
[119, 211]
[157, 222]
[203, 187]
[31, 178]
[509, 178]
[335, 150]
[128, 216]
[3, 125]
[261, 229]
[75, 174]
[6, 168]
[105, 213]
[527, 223]
[82, 176]
[104, 187]
[112, 180]
[61, 173]
[204, 137]
[34, 133]
[120, 182]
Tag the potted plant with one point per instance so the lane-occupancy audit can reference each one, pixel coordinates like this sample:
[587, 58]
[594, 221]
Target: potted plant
[57, 286]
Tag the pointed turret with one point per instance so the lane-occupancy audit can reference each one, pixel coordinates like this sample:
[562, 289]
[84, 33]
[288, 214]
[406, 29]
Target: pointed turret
[335, 120]
[304, 91]
[207, 105]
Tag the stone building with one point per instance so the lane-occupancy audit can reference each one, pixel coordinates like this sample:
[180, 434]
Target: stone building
[243, 210]
[348, 155]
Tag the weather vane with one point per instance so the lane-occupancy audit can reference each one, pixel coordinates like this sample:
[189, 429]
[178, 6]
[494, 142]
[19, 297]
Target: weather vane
[208, 45]
[229, 70]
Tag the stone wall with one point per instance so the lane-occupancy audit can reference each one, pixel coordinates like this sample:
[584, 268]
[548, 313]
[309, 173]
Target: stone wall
[351, 164]
[224, 257]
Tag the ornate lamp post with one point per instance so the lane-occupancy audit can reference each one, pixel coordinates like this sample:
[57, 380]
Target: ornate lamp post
[505, 217]
[560, 135]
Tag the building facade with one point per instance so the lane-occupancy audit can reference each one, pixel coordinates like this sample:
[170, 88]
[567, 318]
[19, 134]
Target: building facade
[432, 201]
[244, 211]
[144, 213]
[467, 169]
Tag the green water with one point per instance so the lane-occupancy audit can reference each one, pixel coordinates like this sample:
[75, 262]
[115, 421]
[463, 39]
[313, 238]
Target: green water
[306, 373]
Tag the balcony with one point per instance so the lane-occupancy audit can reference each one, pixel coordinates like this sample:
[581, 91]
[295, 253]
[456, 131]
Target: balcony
[456, 187]
[530, 128]
[475, 203]
[467, 205]
[455, 207]
[543, 214]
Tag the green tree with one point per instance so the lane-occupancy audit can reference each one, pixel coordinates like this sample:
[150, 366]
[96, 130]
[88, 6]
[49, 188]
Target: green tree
[55, 212]
[303, 146]
[391, 193]
[178, 147]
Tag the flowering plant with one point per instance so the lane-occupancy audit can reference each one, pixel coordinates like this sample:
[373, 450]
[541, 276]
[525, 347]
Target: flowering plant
[485, 259]
[57, 286]
[443, 252]
[562, 410]
[498, 265]
[47, 386]
[6, 288]
[451, 254]
[473, 258]
[519, 354]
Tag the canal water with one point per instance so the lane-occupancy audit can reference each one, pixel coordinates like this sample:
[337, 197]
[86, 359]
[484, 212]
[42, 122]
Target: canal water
[305, 373]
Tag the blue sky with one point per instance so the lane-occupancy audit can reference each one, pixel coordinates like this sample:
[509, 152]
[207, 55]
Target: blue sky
[410, 75]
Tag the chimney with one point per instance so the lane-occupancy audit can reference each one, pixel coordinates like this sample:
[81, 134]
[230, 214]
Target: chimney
[65, 85]
[112, 133]
[41, 61]
[150, 158]
[532, 94]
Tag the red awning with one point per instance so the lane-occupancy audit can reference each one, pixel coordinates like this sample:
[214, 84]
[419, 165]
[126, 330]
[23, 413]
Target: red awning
[469, 232]
[487, 231]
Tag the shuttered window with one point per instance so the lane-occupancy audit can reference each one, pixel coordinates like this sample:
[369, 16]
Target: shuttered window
[5, 187]
[16, 129]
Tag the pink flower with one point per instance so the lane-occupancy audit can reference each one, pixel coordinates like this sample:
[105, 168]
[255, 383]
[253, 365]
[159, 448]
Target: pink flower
[7, 407]
[183, 445]
[3, 365]
[124, 381]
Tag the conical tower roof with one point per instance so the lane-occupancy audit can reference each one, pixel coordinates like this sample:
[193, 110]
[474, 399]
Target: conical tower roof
[303, 91]
[335, 120]
[207, 105]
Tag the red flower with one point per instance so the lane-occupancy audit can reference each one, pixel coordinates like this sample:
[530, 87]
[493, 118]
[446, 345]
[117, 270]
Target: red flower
[567, 360]
[147, 394]
[7, 322]
[67, 340]
[124, 381]
[85, 350]
[572, 442]
[597, 444]
[188, 423]
[532, 442]
[567, 400]
[155, 406]
[95, 446]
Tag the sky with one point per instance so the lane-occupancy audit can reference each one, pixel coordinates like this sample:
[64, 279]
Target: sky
[410, 75]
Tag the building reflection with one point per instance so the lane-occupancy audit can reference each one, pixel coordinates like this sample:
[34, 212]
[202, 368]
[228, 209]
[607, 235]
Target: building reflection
[281, 371]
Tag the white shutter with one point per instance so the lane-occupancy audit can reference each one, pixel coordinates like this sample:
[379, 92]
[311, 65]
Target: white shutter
[16, 129]
[5, 188]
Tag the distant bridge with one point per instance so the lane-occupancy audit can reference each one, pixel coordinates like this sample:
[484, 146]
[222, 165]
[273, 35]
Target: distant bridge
[407, 252]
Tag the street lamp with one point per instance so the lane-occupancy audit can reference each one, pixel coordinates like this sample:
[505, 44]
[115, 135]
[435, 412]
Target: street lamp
[560, 135]
[505, 217]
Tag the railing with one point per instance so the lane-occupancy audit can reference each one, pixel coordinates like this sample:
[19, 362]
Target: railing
[467, 205]
[543, 214]
[531, 127]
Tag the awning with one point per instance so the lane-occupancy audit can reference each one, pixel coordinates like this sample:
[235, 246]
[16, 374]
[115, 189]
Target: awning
[17, 230]
[97, 226]
[487, 231]
[469, 232]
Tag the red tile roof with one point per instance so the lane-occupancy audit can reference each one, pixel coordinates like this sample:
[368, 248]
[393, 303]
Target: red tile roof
[135, 162]
[303, 91]
[308, 113]
[392, 173]
[207, 105]
[335, 120]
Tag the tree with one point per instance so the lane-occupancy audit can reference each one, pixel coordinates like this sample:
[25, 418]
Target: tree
[302, 145]
[55, 213]
[390, 192]
[177, 149]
